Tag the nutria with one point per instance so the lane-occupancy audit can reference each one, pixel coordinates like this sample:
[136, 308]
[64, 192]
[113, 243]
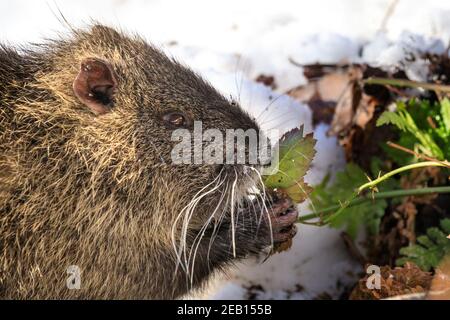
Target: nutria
[86, 180]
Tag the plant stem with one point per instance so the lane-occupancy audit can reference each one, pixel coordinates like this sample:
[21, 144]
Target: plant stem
[417, 155]
[407, 83]
[373, 183]
[376, 196]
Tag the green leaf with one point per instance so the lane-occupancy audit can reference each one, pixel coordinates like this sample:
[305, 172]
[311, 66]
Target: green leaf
[295, 154]
[393, 118]
[437, 236]
[430, 248]
[445, 225]
[425, 241]
[445, 112]
[423, 126]
[366, 215]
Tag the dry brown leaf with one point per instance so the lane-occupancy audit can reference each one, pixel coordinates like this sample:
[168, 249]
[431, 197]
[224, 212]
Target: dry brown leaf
[440, 286]
[338, 88]
[394, 282]
[348, 102]
[364, 111]
[304, 93]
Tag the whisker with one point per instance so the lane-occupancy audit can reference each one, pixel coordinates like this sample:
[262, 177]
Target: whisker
[269, 105]
[264, 199]
[200, 235]
[276, 118]
[187, 212]
[217, 222]
[233, 229]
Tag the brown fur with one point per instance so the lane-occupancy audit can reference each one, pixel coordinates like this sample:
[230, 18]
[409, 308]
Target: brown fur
[94, 191]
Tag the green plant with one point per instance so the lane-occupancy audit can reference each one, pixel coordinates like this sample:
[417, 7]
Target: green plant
[295, 153]
[352, 218]
[430, 248]
[423, 126]
[355, 211]
[352, 202]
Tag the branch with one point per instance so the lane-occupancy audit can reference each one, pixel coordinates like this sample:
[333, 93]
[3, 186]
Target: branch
[416, 154]
[376, 196]
[372, 184]
[407, 83]
[353, 200]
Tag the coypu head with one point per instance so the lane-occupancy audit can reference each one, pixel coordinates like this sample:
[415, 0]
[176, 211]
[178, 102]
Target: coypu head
[96, 116]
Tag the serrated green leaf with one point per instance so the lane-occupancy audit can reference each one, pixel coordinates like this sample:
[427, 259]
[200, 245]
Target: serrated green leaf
[427, 123]
[413, 251]
[295, 154]
[445, 225]
[425, 241]
[437, 236]
[423, 258]
[429, 250]
[299, 191]
[393, 118]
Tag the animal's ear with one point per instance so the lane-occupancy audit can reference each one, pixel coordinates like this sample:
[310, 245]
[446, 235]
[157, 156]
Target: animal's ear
[95, 85]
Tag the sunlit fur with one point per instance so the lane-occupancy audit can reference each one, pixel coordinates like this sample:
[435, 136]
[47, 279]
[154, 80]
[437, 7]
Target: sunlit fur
[99, 192]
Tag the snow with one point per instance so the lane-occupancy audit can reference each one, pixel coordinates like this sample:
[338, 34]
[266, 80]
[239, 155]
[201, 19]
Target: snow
[392, 54]
[270, 109]
[230, 43]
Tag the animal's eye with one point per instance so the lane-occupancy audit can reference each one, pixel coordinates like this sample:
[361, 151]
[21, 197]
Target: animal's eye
[175, 119]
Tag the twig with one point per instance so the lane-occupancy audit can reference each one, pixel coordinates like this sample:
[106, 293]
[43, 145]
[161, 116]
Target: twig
[418, 155]
[373, 183]
[397, 91]
[377, 196]
[408, 83]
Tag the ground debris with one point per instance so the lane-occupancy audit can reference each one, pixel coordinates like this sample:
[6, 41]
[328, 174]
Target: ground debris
[440, 286]
[439, 67]
[393, 282]
[337, 96]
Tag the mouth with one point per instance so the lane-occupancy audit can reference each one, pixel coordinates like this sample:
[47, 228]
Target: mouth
[232, 192]
[242, 182]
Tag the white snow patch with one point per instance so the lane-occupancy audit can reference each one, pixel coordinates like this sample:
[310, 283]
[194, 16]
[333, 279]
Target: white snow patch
[405, 53]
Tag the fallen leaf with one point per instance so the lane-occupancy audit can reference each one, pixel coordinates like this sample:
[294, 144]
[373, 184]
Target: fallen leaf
[364, 111]
[348, 103]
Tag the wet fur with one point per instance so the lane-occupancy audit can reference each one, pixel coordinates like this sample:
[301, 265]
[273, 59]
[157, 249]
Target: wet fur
[99, 191]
